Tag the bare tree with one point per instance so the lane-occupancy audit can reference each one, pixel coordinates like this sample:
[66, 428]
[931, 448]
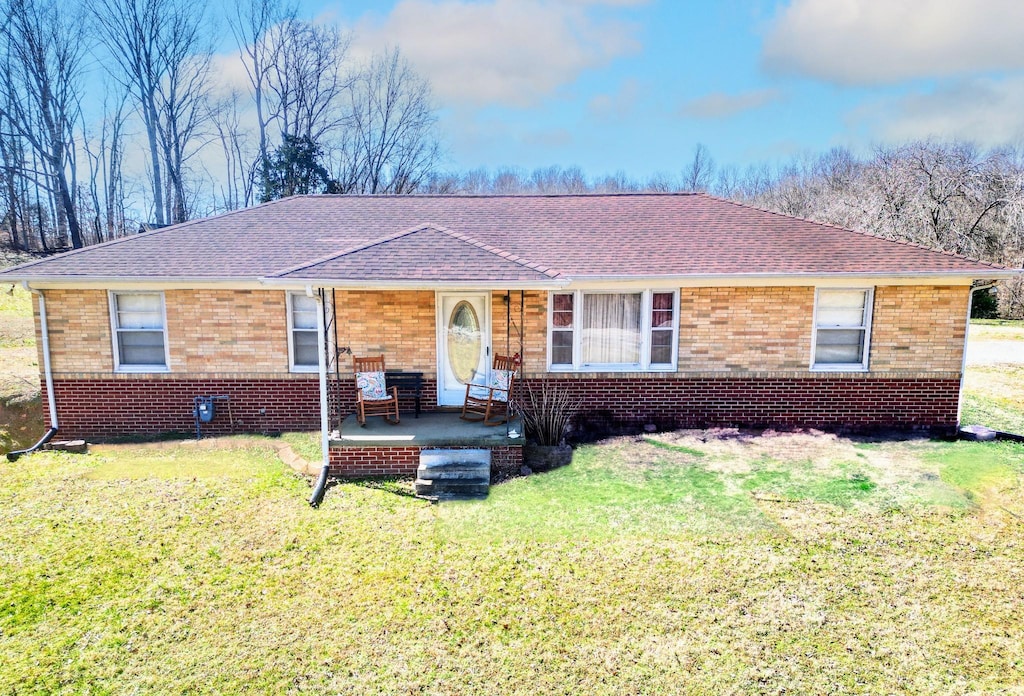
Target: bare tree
[701, 170]
[162, 57]
[182, 101]
[255, 27]
[131, 31]
[238, 160]
[390, 145]
[42, 49]
[306, 80]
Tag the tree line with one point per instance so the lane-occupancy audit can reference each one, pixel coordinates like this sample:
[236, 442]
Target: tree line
[83, 83]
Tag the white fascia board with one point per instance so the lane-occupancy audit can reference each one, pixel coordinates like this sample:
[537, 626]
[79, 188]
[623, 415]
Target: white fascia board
[122, 283]
[773, 280]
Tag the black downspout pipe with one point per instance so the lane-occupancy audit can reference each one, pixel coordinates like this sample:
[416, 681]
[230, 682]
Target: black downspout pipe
[320, 488]
[13, 456]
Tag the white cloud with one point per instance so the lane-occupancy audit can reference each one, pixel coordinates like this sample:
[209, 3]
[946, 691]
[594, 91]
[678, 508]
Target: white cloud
[865, 42]
[499, 52]
[722, 105]
[982, 110]
[619, 105]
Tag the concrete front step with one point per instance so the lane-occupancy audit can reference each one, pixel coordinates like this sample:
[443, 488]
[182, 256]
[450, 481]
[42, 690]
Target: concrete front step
[451, 490]
[456, 471]
[452, 474]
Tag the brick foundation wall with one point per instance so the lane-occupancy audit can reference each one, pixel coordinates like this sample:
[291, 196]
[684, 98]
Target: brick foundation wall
[103, 408]
[833, 401]
[354, 462]
[146, 405]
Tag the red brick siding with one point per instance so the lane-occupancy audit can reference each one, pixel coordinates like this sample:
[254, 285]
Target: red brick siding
[353, 462]
[98, 408]
[826, 401]
[128, 405]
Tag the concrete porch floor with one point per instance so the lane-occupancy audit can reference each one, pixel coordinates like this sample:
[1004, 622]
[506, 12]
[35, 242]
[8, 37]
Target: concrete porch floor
[437, 429]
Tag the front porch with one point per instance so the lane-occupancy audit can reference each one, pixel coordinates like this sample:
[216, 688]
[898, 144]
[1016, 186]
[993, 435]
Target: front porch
[382, 449]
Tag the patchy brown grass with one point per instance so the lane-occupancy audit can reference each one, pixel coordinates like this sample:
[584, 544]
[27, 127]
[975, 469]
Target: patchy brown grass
[636, 569]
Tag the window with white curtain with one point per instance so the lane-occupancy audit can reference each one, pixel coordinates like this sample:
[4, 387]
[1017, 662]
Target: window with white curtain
[139, 328]
[303, 350]
[842, 327]
[612, 330]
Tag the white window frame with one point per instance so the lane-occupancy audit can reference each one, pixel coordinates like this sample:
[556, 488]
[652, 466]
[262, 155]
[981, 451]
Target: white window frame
[292, 367]
[862, 366]
[112, 296]
[646, 304]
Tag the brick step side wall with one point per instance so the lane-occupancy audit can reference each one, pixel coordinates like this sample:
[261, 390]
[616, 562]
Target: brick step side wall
[145, 405]
[354, 462]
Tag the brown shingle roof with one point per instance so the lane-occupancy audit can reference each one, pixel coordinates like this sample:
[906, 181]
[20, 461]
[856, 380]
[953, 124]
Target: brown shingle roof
[424, 253]
[496, 237]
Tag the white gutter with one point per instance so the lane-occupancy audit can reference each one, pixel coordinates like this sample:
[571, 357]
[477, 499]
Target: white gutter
[321, 335]
[963, 361]
[47, 371]
[999, 273]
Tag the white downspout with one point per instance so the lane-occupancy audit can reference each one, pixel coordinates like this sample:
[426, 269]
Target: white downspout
[47, 371]
[321, 335]
[963, 362]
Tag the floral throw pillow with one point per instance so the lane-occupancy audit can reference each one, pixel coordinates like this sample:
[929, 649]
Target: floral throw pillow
[499, 383]
[371, 384]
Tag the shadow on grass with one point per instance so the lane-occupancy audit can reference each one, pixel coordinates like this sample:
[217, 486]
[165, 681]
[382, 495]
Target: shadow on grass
[396, 485]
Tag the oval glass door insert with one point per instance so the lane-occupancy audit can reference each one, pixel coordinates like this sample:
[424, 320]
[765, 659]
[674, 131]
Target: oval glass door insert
[464, 341]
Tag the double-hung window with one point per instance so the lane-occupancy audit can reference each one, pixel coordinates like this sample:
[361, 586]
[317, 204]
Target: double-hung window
[613, 330]
[303, 351]
[842, 328]
[138, 323]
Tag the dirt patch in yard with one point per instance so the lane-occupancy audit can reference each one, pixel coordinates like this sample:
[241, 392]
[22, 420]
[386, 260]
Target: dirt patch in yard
[734, 450]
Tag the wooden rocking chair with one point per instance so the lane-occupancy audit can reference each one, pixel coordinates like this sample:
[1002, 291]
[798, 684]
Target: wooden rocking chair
[489, 402]
[373, 398]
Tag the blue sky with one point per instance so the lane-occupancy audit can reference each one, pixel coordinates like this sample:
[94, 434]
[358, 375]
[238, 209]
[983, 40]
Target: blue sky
[634, 85]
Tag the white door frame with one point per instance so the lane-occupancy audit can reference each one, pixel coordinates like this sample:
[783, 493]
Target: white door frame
[442, 343]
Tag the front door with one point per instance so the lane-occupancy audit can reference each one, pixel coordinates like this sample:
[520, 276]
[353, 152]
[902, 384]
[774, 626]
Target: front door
[463, 344]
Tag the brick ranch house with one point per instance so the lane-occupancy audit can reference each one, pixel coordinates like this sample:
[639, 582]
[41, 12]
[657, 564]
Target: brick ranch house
[667, 309]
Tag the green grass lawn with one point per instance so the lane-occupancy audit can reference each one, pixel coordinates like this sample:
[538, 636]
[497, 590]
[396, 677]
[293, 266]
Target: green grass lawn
[804, 564]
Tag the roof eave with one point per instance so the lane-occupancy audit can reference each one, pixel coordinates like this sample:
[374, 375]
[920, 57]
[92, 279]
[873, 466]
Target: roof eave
[938, 277]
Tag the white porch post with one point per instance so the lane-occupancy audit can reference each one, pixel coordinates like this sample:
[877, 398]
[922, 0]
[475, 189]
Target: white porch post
[321, 335]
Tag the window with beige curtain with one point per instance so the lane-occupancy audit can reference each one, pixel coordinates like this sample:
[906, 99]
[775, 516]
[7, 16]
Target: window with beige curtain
[625, 330]
[611, 329]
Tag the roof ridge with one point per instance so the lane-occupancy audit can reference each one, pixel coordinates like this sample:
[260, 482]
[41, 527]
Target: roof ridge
[865, 233]
[129, 237]
[589, 194]
[501, 253]
[351, 250]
